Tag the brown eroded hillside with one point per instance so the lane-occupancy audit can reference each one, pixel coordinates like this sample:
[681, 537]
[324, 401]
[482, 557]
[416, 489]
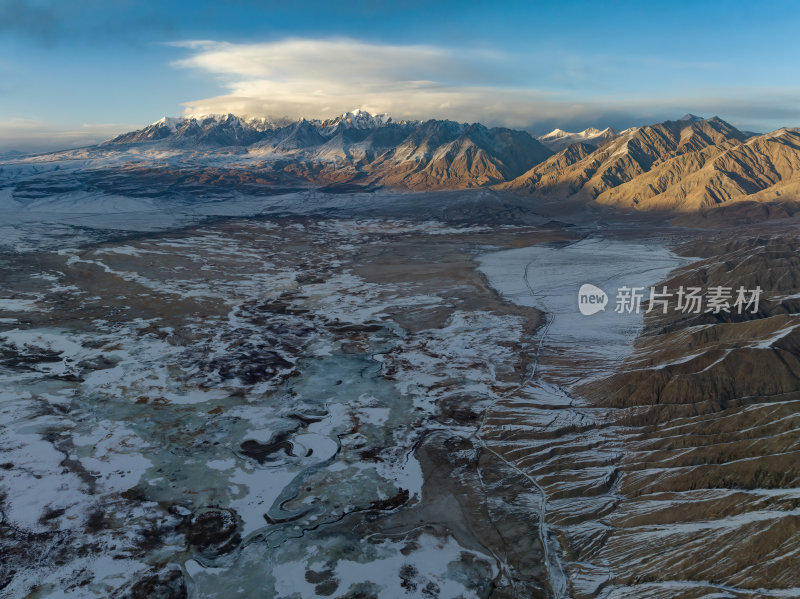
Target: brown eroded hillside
[684, 165]
[762, 168]
[632, 154]
[705, 417]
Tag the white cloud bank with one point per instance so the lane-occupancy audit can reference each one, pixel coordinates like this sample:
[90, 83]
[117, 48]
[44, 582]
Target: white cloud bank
[323, 78]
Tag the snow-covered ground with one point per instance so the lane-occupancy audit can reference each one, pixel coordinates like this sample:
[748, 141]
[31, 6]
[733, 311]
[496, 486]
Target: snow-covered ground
[544, 416]
[549, 277]
[204, 398]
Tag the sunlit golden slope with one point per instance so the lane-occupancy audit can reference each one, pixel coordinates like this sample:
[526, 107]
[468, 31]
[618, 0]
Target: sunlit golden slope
[681, 165]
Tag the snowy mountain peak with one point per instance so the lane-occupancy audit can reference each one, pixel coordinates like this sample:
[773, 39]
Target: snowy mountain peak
[555, 134]
[223, 126]
[607, 132]
[358, 113]
[170, 122]
[211, 120]
[558, 139]
[357, 119]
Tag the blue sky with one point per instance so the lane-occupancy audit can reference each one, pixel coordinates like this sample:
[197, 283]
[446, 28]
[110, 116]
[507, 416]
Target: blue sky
[72, 72]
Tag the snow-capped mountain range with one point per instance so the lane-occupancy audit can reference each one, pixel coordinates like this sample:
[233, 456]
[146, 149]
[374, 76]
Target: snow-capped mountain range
[359, 138]
[372, 148]
[232, 130]
[685, 164]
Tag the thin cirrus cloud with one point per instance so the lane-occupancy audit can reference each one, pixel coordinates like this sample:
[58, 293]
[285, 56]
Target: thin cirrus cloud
[29, 135]
[321, 78]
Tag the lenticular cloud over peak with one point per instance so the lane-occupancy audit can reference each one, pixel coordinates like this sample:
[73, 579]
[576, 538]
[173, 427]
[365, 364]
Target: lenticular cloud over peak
[319, 78]
[322, 78]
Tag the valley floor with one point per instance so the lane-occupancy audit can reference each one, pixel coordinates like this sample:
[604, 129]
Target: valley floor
[374, 406]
